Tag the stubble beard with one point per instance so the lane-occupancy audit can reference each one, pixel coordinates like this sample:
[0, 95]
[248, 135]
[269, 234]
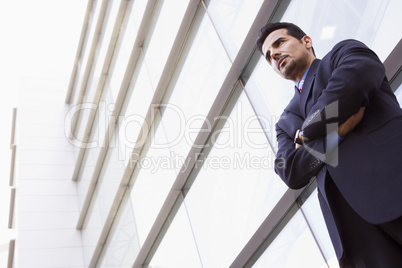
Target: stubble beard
[288, 69]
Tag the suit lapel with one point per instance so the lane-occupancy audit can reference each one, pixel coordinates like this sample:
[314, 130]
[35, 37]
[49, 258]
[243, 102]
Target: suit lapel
[294, 104]
[308, 84]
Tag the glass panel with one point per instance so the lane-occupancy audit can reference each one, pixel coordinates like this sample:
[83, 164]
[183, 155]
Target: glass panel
[99, 61]
[293, 247]
[106, 105]
[133, 113]
[328, 22]
[123, 49]
[275, 91]
[235, 189]
[233, 20]
[106, 188]
[387, 19]
[122, 246]
[315, 219]
[198, 83]
[179, 237]
[135, 108]
[104, 41]
[94, 145]
[158, 48]
[153, 179]
[94, 16]
[138, 12]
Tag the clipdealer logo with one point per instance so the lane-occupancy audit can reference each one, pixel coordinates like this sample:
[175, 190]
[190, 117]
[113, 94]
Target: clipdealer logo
[331, 154]
[238, 131]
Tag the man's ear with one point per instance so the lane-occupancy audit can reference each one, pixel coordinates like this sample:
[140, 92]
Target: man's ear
[307, 41]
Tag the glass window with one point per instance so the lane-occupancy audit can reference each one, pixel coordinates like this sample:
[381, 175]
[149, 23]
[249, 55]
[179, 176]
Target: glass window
[122, 246]
[138, 12]
[179, 237]
[152, 179]
[94, 145]
[123, 49]
[106, 104]
[232, 20]
[106, 189]
[315, 219]
[94, 16]
[158, 47]
[327, 22]
[235, 189]
[104, 43]
[135, 108]
[293, 247]
[98, 64]
[201, 76]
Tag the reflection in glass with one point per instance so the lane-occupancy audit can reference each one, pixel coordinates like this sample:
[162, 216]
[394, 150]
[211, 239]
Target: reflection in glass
[293, 247]
[235, 189]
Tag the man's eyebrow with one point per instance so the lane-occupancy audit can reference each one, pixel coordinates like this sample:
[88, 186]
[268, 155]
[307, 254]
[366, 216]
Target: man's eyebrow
[274, 44]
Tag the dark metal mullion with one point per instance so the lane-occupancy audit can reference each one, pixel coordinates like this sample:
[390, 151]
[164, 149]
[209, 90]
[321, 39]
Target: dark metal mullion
[393, 66]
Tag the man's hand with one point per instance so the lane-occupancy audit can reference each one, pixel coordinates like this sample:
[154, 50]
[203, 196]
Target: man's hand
[351, 123]
[301, 138]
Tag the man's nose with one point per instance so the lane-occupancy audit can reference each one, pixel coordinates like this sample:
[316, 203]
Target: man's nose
[276, 55]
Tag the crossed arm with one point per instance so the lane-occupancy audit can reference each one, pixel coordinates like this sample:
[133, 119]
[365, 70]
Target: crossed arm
[343, 129]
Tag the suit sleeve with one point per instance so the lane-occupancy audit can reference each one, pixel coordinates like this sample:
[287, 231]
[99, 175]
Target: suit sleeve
[296, 167]
[356, 73]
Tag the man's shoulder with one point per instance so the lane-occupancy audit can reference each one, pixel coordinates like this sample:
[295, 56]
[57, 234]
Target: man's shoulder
[344, 48]
[349, 43]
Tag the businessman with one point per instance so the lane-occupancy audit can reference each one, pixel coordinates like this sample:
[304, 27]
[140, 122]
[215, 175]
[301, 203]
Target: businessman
[343, 126]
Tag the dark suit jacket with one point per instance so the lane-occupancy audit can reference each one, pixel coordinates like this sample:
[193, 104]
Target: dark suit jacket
[366, 166]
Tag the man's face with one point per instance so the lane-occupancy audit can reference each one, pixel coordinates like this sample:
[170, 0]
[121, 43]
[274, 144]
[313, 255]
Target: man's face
[289, 57]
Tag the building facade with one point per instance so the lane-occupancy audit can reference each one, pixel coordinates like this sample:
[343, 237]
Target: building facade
[159, 152]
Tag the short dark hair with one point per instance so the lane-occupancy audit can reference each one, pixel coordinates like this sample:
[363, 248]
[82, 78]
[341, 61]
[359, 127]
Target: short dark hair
[292, 29]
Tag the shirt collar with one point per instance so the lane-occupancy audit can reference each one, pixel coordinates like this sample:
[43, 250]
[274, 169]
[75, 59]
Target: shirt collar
[303, 78]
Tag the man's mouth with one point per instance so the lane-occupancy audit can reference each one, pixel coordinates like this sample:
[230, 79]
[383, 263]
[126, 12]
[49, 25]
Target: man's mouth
[280, 61]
